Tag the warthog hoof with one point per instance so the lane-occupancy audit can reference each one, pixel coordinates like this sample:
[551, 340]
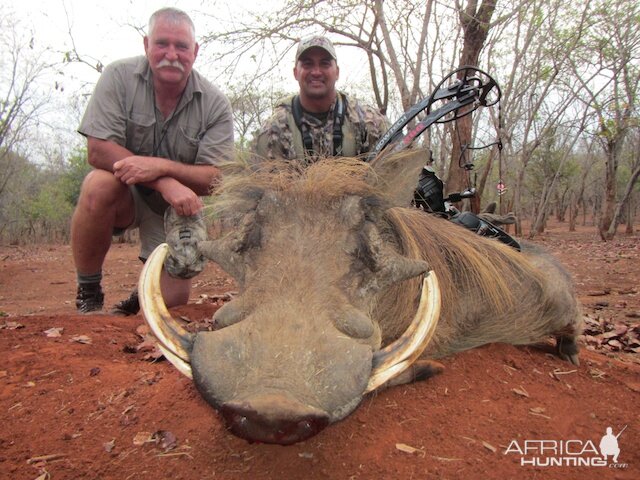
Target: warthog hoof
[567, 349]
[420, 370]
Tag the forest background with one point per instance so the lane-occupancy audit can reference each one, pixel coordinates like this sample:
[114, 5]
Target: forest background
[568, 122]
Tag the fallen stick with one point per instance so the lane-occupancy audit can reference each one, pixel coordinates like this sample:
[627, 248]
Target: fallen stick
[45, 458]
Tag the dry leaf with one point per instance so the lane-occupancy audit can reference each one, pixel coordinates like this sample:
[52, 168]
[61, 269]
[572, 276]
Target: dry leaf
[520, 391]
[154, 354]
[11, 326]
[539, 412]
[81, 339]
[406, 448]
[109, 446]
[54, 332]
[147, 345]
[143, 437]
[166, 439]
[143, 330]
[615, 343]
[621, 328]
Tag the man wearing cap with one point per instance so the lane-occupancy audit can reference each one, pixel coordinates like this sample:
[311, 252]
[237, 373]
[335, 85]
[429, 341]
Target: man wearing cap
[320, 121]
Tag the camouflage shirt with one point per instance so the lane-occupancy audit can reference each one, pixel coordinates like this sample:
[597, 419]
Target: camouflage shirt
[280, 138]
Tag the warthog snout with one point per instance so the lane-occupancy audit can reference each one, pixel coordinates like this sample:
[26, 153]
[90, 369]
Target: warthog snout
[273, 418]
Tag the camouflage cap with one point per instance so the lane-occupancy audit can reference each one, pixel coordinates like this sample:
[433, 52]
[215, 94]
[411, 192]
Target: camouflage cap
[316, 41]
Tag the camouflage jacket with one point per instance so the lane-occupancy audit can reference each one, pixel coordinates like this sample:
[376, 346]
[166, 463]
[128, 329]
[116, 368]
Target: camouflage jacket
[280, 137]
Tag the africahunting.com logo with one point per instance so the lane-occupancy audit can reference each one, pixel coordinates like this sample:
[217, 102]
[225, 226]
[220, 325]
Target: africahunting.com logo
[569, 453]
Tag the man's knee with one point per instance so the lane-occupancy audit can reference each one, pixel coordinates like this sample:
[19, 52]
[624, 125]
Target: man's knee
[101, 191]
[101, 184]
[175, 291]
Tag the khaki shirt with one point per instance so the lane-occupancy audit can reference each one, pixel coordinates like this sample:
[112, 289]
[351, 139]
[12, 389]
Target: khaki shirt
[122, 110]
[280, 138]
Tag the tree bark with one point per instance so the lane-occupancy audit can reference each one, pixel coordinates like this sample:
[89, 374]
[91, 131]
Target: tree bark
[475, 21]
[619, 208]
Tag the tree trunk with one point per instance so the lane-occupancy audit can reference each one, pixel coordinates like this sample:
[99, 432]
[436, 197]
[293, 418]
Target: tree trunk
[630, 215]
[540, 218]
[609, 201]
[475, 22]
[573, 208]
[484, 177]
[619, 207]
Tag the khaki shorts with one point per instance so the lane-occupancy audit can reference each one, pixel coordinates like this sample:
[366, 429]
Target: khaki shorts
[150, 225]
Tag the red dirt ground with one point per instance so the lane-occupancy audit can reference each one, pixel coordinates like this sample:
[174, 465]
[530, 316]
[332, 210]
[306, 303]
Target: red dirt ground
[89, 405]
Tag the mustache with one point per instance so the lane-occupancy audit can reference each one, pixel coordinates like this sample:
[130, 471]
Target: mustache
[166, 63]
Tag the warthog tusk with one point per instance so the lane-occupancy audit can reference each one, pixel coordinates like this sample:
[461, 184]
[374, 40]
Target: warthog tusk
[175, 341]
[401, 354]
[182, 366]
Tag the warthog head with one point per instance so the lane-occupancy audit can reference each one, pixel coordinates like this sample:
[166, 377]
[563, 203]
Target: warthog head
[313, 255]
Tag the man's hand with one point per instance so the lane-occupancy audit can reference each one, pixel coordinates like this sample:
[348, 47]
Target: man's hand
[183, 200]
[138, 169]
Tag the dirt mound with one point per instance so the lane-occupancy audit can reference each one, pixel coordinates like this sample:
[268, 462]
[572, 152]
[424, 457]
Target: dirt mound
[80, 398]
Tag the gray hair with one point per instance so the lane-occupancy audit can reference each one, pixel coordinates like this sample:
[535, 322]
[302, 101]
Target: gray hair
[175, 16]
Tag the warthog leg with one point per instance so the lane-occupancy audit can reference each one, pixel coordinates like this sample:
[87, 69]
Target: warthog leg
[567, 348]
[420, 370]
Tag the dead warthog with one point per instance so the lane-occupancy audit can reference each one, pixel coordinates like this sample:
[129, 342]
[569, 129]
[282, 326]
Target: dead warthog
[341, 288]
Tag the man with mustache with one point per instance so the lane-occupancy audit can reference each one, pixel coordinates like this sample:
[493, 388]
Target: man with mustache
[320, 121]
[156, 133]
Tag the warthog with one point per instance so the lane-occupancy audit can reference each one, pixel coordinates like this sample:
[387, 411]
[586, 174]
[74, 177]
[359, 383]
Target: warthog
[341, 288]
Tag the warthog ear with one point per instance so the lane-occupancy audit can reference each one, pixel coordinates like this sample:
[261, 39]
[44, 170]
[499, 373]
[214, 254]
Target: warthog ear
[397, 175]
[384, 266]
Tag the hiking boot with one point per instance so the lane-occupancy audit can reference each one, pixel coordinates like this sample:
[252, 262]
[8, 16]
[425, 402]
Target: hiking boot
[128, 306]
[89, 298]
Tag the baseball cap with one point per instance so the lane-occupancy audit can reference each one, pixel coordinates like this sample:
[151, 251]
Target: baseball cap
[316, 41]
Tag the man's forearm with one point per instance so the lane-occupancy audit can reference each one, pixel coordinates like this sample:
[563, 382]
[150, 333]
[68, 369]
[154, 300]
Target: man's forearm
[199, 178]
[102, 154]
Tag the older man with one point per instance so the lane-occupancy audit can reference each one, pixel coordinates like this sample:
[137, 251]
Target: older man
[320, 121]
[156, 132]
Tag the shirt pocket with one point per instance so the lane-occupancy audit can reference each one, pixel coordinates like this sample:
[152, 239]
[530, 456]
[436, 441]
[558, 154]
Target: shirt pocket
[140, 134]
[187, 141]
